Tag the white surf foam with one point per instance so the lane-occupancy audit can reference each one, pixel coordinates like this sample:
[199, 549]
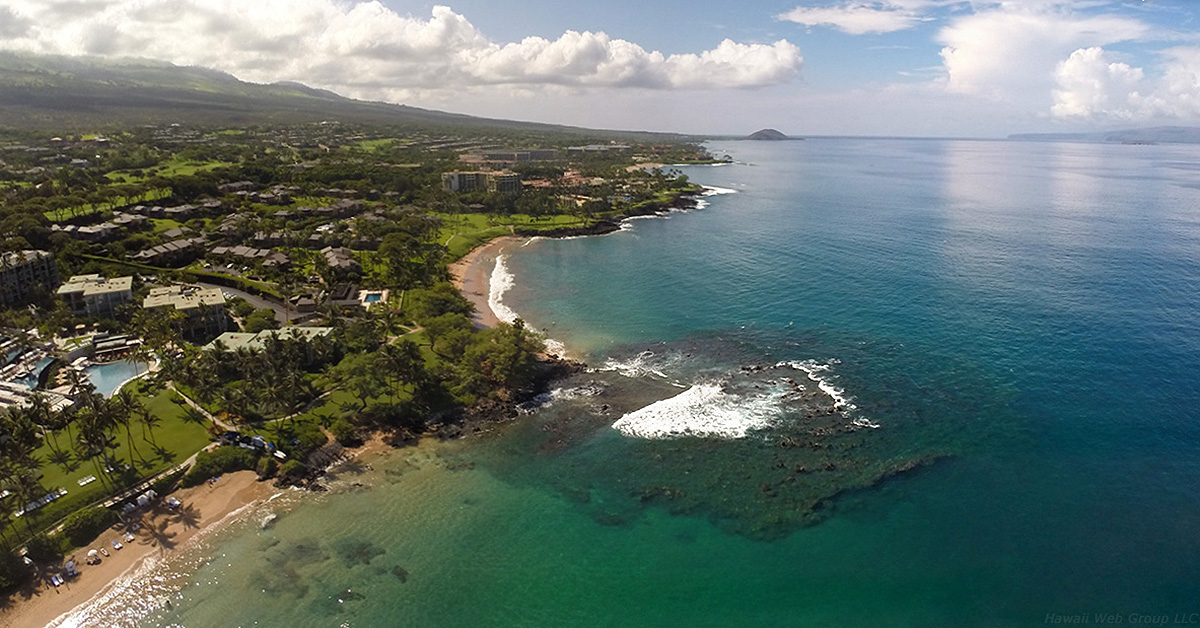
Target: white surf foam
[704, 410]
[641, 365]
[712, 190]
[501, 282]
[819, 374]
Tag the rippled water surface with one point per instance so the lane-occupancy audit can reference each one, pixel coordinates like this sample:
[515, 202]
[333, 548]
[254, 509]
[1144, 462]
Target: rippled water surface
[881, 382]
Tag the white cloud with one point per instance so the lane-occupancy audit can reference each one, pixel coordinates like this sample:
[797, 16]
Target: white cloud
[857, 18]
[1012, 53]
[1090, 84]
[368, 50]
[1093, 86]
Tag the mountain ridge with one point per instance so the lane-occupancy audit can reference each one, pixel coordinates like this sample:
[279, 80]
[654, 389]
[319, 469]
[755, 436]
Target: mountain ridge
[59, 93]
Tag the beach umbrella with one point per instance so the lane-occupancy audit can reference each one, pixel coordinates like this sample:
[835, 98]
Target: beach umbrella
[92, 553]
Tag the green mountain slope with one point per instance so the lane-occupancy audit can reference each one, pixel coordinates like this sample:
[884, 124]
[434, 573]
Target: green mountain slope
[86, 94]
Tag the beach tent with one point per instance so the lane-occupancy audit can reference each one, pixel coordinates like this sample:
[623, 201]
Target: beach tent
[69, 567]
[173, 502]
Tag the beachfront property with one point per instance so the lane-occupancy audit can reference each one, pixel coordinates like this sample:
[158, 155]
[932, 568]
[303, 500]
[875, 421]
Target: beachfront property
[21, 272]
[235, 340]
[203, 308]
[473, 181]
[95, 296]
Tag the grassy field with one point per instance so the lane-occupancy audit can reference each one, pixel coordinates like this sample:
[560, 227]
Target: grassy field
[170, 168]
[176, 440]
[374, 145]
[462, 232]
[88, 208]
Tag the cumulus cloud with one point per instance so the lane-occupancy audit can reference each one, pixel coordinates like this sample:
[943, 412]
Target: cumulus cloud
[1089, 83]
[1012, 53]
[366, 49]
[1092, 85]
[858, 18]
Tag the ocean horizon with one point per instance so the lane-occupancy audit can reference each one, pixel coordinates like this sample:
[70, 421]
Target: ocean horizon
[866, 381]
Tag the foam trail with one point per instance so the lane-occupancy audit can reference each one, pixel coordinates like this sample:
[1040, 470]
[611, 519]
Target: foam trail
[637, 366]
[712, 190]
[814, 370]
[501, 282]
[704, 410]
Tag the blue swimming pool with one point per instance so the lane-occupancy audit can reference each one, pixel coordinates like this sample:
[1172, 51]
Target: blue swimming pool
[373, 297]
[107, 378]
[30, 381]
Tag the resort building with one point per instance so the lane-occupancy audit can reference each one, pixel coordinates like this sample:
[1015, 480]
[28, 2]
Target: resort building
[340, 258]
[175, 253]
[464, 181]
[234, 340]
[203, 308]
[95, 296]
[503, 182]
[23, 271]
[506, 183]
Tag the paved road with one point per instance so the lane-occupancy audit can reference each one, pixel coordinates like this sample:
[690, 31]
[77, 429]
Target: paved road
[253, 299]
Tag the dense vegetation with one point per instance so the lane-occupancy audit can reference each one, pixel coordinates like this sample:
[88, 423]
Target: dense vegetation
[368, 188]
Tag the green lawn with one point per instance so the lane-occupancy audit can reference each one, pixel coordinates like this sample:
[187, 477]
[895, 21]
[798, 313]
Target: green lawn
[374, 145]
[89, 208]
[164, 224]
[170, 168]
[462, 232]
[176, 440]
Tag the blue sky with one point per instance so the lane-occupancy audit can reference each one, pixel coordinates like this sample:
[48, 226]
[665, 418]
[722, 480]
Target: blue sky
[899, 67]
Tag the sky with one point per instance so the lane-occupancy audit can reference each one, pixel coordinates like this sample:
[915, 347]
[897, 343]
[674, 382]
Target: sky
[894, 67]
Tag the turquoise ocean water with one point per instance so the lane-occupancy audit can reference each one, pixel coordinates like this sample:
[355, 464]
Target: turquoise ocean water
[871, 382]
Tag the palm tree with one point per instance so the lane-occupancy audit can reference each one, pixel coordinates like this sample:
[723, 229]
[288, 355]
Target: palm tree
[192, 415]
[149, 421]
[121, 409]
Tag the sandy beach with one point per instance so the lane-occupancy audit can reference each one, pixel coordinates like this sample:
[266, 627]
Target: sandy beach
[162, 531]
[472, 274]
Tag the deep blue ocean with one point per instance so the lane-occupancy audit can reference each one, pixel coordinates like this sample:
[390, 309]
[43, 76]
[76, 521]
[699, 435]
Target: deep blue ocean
[869, 383]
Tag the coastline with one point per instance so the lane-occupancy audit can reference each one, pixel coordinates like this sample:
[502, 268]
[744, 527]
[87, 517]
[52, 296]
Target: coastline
[163, 532]
[471, 275]
[205, 508]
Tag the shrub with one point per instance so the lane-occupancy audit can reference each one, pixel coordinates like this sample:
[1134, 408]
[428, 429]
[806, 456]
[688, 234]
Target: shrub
[12, 571]
[42, 549]
[167, 483]
[293, 469]
[210, 464]
[267, 467]
[344, 432]
[84, 525]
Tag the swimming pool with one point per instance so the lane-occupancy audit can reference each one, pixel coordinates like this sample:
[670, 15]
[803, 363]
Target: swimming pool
[30, 381]
[107, 378]
[373, 297]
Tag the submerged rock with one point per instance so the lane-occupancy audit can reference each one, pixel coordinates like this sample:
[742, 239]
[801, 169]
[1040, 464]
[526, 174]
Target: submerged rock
[400, 573]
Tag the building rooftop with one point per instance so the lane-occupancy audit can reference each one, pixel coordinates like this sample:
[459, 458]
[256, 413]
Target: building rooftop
[183, 297]
[91, 285]
[233, 340]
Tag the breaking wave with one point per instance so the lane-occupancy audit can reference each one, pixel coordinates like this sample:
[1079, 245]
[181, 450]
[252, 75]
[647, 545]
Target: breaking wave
[501, 282]
[819, 374]
[704, 410]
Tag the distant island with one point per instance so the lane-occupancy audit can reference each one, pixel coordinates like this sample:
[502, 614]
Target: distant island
[1153, 135]
[770, 135]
